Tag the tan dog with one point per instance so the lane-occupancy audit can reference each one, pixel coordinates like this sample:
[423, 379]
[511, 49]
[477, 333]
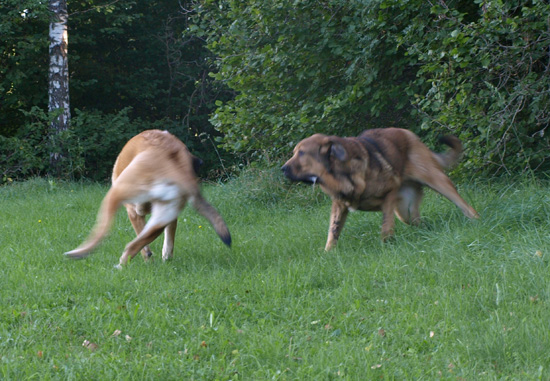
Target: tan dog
[154, 173]
[380, 170]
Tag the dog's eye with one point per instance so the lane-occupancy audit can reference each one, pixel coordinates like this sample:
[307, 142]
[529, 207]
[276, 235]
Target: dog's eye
[300, 153]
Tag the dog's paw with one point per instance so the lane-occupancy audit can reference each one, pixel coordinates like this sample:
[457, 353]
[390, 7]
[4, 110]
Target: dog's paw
[166, 258]
[388, 237]
[118, 266]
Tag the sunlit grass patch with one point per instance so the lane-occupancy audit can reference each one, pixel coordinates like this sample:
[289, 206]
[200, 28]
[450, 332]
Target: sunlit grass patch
[451, 298]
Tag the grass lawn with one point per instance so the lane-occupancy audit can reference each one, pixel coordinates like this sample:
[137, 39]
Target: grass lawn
[452, 299]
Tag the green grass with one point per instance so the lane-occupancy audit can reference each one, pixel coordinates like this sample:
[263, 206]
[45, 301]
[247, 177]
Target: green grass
[452, 299]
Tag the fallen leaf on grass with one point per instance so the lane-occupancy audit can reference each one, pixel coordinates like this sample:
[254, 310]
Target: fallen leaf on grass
[203, 344]
[538, 253]
[432, 333]
[381, 332]
[376, 366]
[116, 333]
[128, 338]
[91, 346]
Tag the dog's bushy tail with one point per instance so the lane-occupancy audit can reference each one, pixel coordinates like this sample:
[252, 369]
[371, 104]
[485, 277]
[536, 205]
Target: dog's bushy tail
[449, 158]
[211, 214]
[105, 218]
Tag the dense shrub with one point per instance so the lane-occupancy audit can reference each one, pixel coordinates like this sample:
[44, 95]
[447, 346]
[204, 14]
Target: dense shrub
[130, 69]
[89, 147]
[280, 70]
[302, 67]
[26, 153]
[99, 139]
[480, 70]
[488, 80]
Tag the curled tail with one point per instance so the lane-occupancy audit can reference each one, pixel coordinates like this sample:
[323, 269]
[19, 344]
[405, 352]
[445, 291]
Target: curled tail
[205, 209]
[449, 158]
[105, 218]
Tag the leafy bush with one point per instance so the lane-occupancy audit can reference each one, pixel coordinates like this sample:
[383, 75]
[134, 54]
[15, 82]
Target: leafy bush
[27, 153]
[488, 80]
[477, 69]
[99, 138]
[90, 146]
[301, 67]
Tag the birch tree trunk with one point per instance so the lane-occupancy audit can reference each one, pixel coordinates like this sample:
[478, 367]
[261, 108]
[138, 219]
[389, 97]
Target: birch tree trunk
[58, 92]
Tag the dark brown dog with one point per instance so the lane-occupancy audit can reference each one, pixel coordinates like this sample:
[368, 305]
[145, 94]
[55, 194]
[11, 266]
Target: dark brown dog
[154, 174]
[380, 170]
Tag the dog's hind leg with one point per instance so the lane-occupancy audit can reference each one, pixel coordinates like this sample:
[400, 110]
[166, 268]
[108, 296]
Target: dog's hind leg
[169, 236]
[136, 215]
[163, 213]
[408, 203]
[338, 215]
[438, 181]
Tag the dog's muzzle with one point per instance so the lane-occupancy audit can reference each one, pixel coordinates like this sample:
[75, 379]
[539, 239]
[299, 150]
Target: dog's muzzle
[287, 170]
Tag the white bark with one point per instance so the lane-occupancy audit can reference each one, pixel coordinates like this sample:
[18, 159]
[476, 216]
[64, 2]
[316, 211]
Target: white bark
[58, 92]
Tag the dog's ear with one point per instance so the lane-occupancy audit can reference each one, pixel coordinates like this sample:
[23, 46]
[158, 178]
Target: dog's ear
[338, 151]
[331, 147]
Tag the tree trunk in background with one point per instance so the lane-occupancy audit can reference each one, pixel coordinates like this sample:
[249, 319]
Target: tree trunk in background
[58, 92]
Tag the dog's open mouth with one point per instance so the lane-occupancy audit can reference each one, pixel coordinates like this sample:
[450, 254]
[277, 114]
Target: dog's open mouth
[311, 180]
[307, 178]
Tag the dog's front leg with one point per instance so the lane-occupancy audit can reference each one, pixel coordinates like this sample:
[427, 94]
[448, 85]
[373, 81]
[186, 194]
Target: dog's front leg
[169, 236]
[388, 219]
[338, 216]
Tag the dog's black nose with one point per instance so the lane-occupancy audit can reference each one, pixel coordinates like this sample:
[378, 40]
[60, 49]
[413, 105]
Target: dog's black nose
[285, 169]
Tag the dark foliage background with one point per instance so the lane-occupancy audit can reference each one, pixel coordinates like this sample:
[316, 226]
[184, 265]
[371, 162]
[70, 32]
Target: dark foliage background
[477, 69]
[243, 81]
[131, 69]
